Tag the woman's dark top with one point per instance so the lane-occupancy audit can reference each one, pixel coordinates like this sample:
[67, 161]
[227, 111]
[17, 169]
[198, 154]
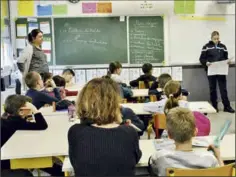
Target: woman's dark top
[39, 61]
[95, 151]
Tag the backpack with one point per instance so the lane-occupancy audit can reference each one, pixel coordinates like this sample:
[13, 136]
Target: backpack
[202, 123]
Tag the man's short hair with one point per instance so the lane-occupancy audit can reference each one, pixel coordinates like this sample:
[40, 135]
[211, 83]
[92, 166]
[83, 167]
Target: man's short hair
[180, 124]
[147, 67]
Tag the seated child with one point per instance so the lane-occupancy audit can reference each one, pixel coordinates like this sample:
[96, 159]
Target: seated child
[129, 116]
[174, 99]
[61, 83]
[68, 74]
[181, 128]
[19, 110]
[49, 84]
[34, 82]
[147, 77]
[115, 71]
[158, 86]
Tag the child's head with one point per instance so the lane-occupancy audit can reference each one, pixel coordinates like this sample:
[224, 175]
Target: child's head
[68, 74]
[147, 68]
[46, 77]
[59, 81]
[115, 68]
[180, 124]
[14, 105]
[99, 102]
[163, 79]
[172, 90]
[33, 80]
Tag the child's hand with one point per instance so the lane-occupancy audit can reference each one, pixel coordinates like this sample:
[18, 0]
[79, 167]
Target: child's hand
[215, 150]
[128, 121]
[29, 109]
[208, 64]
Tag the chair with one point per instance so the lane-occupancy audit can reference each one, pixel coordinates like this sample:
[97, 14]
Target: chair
[227, 170]
[159, 122]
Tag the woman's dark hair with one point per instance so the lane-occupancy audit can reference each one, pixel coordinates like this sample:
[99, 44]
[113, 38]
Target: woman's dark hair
[33, 34]
[13, 103]
[59, 81]
[113, 67]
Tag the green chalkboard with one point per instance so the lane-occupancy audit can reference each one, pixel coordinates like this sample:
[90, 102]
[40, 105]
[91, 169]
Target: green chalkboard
[47, 35]
[146, 39]
[94, 40]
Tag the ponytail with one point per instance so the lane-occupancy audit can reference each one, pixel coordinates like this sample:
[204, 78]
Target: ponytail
[30, 38]
[172, 102]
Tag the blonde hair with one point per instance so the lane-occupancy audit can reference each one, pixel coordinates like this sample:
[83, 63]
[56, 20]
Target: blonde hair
[99, 102]
[215, 33]
[171, 90]
[180, 124]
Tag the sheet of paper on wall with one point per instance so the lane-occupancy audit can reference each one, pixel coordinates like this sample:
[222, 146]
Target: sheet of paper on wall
[48, 54]
[177, 73]
[32, 26]
[101, 72]
[80, 77]
[45, 27]
[218, 68]
[134, 73]
[156, 72]
[21, 30]
[91, 73]
[125, 75]
[57, 72]
[166, 70]
[20, 43]
[46, 45]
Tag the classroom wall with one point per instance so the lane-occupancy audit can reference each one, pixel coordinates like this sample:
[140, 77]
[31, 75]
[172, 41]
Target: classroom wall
[195, 80]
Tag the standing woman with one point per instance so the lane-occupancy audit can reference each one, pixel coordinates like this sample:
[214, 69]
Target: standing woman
[215, 51]
[32, 57]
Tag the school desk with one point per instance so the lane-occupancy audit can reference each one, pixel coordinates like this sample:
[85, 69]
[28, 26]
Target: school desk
[227, 150]
[140, 92]
[201, 106]
[35, 149]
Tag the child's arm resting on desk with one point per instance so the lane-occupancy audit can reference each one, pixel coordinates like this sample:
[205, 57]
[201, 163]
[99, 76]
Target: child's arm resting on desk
[39, 124]
[155, 107]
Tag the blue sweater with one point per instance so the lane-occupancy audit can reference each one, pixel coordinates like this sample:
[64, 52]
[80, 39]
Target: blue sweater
[41, 98]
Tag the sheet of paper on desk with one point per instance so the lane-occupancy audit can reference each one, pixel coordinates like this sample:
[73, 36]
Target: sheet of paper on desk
[200, 142]
[177, 73]
[218, 68]
[135, 127]
[164, 144]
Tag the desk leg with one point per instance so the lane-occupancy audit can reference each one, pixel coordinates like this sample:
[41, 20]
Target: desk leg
[67, 173]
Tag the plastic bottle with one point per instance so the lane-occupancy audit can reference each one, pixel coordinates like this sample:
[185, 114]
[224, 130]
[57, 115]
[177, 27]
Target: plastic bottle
[71, 113]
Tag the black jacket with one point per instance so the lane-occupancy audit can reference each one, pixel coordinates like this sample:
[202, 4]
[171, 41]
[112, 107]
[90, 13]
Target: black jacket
[146, 78]
[213, 53]
[13, 123]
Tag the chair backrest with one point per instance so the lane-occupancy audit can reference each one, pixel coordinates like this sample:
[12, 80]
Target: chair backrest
[141, 85]
[227, 170]
[153, 98]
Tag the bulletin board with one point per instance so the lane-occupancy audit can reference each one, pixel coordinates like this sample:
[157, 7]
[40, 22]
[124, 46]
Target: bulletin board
[26, 25]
